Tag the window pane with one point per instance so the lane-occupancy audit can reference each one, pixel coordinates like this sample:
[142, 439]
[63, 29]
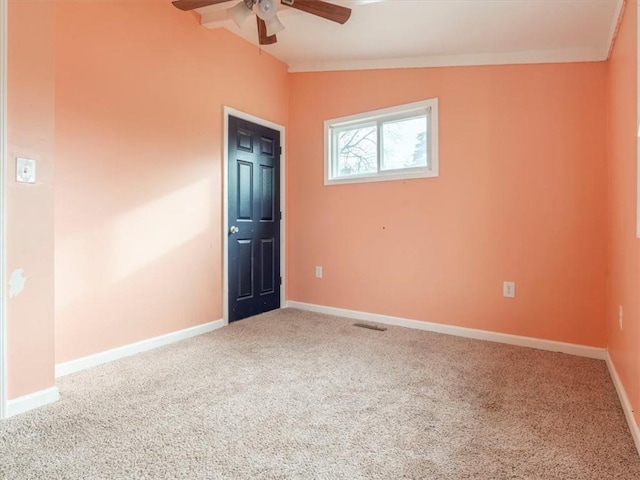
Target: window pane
[357, 149]
[405, 143]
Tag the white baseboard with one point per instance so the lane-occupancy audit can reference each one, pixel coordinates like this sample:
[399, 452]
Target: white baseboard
[90, 361]
[33, 400]
[550, 345]
[624, 400]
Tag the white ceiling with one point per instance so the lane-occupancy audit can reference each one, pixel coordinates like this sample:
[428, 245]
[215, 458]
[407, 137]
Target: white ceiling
[419, 33]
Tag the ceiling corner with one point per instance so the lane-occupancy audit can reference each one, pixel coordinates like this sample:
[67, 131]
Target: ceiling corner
[615, 25]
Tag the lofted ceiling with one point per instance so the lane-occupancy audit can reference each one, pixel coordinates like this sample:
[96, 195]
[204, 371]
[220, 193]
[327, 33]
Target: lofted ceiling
[421, 33]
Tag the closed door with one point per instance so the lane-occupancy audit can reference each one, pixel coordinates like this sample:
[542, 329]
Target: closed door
[254, 219]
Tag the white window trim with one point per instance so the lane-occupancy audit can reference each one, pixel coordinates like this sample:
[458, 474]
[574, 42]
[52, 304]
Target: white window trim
[3, 207]
[398, 111]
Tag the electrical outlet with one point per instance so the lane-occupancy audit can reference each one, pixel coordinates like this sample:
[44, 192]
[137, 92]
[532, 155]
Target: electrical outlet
[509, 289]
[25, 170]
[318, 272]
[620, 315]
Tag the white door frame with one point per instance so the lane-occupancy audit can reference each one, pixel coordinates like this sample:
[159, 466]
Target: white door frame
[3, 207]
[225, 204]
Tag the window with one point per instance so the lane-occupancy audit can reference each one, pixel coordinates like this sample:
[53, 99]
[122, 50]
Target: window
[390, 144]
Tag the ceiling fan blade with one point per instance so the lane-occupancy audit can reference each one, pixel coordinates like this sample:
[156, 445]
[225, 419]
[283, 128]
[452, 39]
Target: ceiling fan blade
[330, 11]
[187, 5]
[262, 33]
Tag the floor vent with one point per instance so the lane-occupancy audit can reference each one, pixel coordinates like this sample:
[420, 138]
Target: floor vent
[370, 327]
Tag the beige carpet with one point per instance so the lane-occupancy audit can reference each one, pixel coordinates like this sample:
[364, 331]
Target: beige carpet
[297, 395]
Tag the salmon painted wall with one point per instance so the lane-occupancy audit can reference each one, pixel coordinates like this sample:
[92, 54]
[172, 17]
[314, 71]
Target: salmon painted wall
[624, 289]
[519, 198]
[140, 89]
[30, 103]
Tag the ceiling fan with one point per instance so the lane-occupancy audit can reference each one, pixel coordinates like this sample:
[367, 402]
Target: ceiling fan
[267, 13]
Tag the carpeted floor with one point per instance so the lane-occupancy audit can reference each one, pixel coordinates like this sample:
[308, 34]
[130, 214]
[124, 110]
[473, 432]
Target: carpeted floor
[297, 395]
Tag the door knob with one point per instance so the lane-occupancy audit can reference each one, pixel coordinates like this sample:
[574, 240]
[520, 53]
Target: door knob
[234, 229]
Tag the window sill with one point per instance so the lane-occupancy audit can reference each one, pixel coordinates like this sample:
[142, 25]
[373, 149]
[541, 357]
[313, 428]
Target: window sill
[381, 177]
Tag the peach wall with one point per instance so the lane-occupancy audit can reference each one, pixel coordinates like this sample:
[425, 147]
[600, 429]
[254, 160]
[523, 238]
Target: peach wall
[624, 345]
[30, 85]
[140, 89]
[519, 197]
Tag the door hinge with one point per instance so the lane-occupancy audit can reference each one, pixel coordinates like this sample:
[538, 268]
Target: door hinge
[280, 215]
[280, 150]
[280, 280]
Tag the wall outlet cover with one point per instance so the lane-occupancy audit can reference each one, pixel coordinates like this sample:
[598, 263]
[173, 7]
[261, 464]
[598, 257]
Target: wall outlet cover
[25, 170]
[509, 289]
[620, 316]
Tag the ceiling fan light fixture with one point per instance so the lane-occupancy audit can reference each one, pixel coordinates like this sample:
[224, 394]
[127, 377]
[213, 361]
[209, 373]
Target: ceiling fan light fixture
[266, 10]
[274, 26]
[239, 13]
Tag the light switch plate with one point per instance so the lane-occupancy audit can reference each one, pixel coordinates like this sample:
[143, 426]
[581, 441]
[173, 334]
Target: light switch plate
[25, 170]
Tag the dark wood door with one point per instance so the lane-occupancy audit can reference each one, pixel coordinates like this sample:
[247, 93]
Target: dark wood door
[254, 219]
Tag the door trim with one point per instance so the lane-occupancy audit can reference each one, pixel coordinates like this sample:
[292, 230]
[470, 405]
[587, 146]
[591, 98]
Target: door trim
[3, 207]
[229, 111]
